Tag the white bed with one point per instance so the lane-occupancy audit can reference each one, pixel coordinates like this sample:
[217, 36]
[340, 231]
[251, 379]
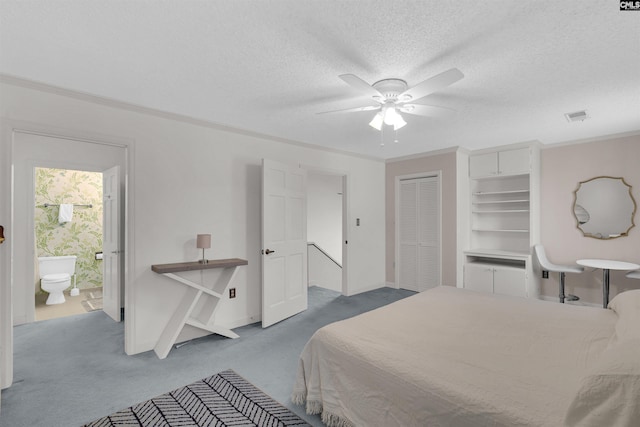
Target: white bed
[452, 357]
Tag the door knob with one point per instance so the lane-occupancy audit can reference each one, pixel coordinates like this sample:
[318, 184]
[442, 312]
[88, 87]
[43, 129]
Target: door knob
[268, 251]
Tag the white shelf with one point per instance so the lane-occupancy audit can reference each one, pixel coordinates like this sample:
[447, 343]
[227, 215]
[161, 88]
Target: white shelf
[494, 202]
[496, 177]
[503, 208]
[488, 193]
[503, 211]
[490, 230]
[489, 253]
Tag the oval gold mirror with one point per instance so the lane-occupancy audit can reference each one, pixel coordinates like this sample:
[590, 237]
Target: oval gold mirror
[604, 207]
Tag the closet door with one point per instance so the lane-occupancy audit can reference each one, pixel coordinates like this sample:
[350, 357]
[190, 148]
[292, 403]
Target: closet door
[419, 234]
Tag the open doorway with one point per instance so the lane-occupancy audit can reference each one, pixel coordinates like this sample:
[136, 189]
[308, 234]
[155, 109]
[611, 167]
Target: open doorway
[68, 231]
[325, 229]
[37, 150]
[39, 147]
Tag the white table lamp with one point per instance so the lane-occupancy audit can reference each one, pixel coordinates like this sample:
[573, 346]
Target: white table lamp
[203, 241]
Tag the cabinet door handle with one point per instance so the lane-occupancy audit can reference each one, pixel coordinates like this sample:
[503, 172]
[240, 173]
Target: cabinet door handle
[268, 251]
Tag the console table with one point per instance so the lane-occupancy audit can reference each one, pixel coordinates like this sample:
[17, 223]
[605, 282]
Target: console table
[210, 297]
[606, 265]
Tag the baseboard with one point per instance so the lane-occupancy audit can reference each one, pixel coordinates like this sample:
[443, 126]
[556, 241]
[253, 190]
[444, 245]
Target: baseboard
[365, 289]
[579, 302]
[391, 285]
[237, 323]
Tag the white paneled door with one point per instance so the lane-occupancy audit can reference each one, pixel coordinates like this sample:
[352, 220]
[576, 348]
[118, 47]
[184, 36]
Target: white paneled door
[284, 241]
[418, 231]
[112, 244]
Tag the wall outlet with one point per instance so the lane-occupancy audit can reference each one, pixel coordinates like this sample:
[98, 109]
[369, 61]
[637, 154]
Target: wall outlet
[545, 274]
[232, 293]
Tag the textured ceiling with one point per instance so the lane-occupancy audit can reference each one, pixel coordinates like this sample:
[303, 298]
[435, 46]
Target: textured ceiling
[270, 66]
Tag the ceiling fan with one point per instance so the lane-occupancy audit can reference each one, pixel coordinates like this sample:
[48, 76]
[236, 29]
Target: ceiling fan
[393, 96]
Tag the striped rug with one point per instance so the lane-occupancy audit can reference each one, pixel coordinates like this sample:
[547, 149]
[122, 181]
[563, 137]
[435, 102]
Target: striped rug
[225, 399]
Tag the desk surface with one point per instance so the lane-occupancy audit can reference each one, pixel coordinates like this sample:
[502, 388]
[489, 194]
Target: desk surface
[196, 265]
[608, 264]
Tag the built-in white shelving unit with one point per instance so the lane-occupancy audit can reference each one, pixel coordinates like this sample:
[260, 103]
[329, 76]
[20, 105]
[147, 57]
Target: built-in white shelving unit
[504, 220]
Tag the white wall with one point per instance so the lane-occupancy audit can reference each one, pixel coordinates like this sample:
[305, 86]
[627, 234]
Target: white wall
[186, 178]
[322, 271]
[324, 213]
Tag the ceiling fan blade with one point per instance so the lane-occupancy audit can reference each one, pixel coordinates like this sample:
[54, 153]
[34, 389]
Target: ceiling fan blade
[357, 83]
[433, 84]
[352, 110]
[427, 110]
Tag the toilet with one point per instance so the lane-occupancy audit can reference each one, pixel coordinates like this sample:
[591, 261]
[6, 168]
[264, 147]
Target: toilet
[55, 276]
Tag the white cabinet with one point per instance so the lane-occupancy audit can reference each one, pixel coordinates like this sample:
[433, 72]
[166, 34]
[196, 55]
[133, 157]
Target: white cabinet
[503, 220]
[478, 277]
[495, 276]
[510, 281]
[506, 162]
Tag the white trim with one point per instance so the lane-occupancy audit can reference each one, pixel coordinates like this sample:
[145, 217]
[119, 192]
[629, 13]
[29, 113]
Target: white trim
[6, 250]
[365, 289]
[433, 174]
[346, 214]
[426, 154]
[505, 147]
[391, 285]
[579, 302]
[463, 214]
[592, 139]
[114, 103]
[128, 145]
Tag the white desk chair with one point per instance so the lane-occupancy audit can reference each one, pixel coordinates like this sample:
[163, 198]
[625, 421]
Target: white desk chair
[633, 274]
[562, 269]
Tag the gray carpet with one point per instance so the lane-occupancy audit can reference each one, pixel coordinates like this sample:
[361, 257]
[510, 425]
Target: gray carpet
[73, 370]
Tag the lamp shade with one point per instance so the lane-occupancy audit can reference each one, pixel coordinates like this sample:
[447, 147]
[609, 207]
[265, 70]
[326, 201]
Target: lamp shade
[377, 121]
[203, 241]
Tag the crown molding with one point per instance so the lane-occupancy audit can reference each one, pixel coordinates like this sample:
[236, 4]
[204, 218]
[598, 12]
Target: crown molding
[425, 154]
[115, 103]
[600, 138]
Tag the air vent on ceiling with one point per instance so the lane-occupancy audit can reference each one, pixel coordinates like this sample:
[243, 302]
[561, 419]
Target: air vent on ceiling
[578, 116]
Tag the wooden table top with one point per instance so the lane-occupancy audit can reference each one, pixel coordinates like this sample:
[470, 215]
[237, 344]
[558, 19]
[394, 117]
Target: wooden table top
[196, 265]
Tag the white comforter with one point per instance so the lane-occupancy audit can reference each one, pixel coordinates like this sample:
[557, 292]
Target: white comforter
[452, 357]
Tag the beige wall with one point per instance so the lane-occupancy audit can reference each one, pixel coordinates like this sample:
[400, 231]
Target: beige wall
[446, 163]
[563, 167]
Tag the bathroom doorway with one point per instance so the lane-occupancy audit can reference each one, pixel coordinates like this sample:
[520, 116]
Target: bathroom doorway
[35, 145]
[36, 150]
[68, 221]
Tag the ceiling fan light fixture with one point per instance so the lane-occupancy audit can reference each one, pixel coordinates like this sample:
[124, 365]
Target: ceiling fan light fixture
[390, 116]
[399, 123]
[377, 121]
